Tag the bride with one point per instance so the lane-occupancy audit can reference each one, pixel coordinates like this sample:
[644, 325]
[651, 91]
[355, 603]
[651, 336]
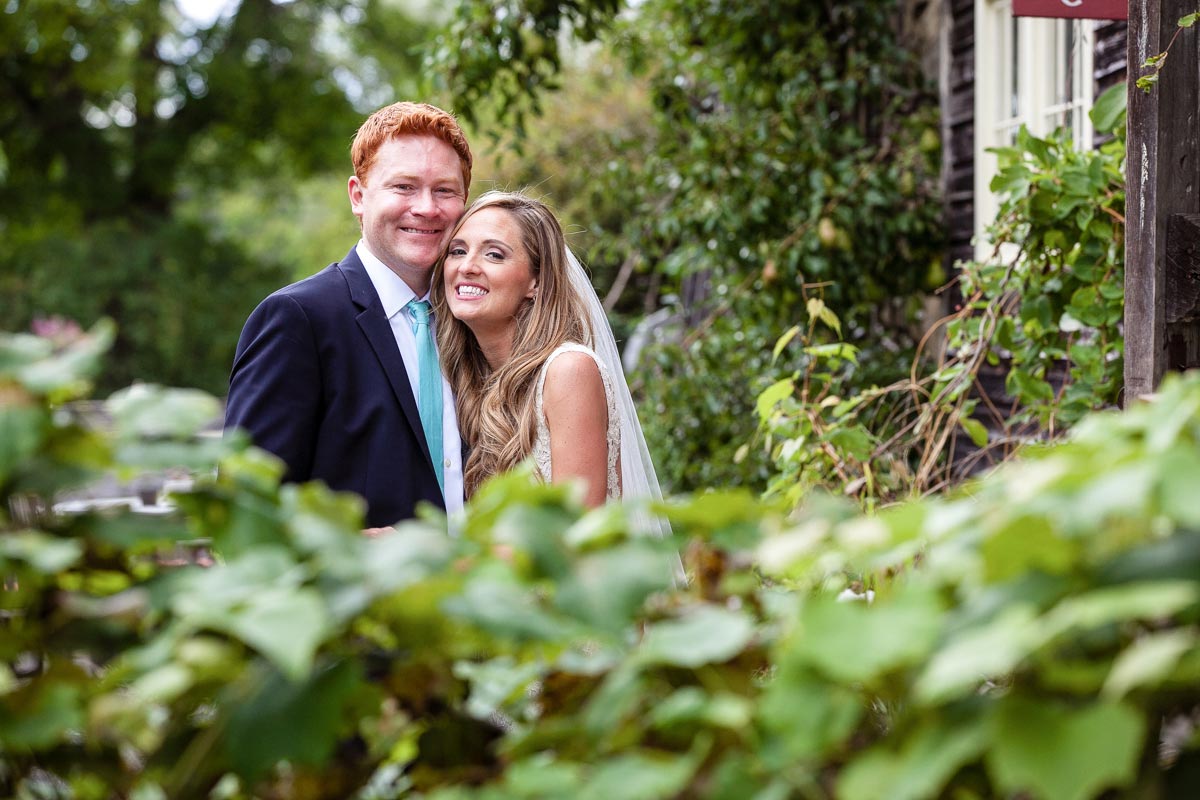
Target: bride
[529, 353]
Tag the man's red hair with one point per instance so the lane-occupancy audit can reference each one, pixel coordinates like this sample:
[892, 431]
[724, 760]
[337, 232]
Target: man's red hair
[408, 119]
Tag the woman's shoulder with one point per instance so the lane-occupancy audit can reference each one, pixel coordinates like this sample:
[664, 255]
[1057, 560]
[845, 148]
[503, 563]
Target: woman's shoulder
[572, 365]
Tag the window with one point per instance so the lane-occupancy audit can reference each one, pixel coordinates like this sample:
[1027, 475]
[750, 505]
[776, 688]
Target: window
[1029, 71]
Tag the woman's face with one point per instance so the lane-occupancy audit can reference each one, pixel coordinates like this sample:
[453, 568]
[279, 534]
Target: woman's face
[487, 273]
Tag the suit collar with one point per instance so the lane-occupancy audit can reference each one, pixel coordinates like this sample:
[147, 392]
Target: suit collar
[362, 291]
[394, 293]
[378, 332]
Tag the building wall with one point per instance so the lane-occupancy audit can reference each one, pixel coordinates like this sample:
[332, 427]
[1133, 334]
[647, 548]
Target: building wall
[958, 127]
[958, 53]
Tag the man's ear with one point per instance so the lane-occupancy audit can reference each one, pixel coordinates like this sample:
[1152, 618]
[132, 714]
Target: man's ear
[354, 188]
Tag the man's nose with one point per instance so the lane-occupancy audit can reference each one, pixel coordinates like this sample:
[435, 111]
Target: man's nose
[424, 202]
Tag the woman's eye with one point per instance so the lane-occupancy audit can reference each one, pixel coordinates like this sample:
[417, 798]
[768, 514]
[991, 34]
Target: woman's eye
[495, 254]
[456, 251]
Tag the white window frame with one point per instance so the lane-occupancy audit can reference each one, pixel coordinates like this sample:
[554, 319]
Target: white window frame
[1021, 75]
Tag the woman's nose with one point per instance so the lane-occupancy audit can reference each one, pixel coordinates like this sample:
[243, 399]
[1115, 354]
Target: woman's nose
[469, 264]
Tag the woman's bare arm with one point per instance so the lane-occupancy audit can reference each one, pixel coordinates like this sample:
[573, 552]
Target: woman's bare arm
[577, 415]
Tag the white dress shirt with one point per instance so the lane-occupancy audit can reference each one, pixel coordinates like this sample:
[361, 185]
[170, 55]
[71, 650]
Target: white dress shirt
[395, 294]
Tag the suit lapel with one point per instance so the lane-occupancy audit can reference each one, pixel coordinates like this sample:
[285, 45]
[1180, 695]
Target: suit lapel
[378, 330]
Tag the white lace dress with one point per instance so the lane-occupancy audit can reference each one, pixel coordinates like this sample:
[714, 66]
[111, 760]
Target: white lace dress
[541, 446]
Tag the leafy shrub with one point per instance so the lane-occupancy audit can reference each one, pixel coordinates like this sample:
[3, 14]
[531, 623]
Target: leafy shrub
[1053, 294]
[1037, 634]
[1045, 310]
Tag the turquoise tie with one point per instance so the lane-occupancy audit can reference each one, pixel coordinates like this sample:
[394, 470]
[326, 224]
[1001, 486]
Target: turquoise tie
[429, 391]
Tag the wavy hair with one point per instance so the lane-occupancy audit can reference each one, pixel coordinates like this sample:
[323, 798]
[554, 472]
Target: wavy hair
[496, 407]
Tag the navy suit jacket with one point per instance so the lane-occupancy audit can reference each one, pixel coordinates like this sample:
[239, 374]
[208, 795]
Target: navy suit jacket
[319, 381]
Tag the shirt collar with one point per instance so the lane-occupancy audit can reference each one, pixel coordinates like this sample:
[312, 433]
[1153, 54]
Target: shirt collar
[394, 293]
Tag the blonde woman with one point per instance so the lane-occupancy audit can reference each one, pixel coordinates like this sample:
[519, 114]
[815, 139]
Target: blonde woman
[529, 353]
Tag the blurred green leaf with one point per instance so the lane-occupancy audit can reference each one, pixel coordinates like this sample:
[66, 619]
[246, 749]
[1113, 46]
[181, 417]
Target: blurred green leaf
[40, 715]
[45, 553]
[311, 711]
[975, 429]
[146, 410]
[807, 718]
[931, 756]
[639, 776]
[853, 642]
[607, 589]
[701, 635]
[22, 428]
[1063, 753]
[1026, 543]
[988, 650]
[1147, 661]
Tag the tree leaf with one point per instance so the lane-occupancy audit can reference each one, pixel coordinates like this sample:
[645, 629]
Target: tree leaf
[974, 429]
[45, 553]
[1028, 542]
[639, 775]
[988, 650]
[44, 712]
[146, 410]
[542, 775]
[806, 717]
[1060, 752]
[856, 642]
[1142, 600]
[783, 341]
[1147, 661]
[692, 706]
[703, 635]
[286, 721]
[606, 589]
[286, 626]
[930, 757]
[22, 429]
[772, 395]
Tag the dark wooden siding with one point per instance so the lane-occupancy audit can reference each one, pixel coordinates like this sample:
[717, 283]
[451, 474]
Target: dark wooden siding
[1108, 61]
[959, 121]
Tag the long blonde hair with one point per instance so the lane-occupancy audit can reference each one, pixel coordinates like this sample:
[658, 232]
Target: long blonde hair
[496, 407]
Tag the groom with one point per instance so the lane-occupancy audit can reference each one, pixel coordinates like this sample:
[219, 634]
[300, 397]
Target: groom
[328, 373]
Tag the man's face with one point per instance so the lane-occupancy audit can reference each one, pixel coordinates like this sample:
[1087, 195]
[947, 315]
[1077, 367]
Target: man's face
[412, 195]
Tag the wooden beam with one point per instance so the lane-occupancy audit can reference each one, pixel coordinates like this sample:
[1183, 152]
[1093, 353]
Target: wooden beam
[1182, 293]
[1162, 178]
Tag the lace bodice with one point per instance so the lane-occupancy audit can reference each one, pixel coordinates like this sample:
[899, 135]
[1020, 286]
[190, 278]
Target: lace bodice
[541, 446]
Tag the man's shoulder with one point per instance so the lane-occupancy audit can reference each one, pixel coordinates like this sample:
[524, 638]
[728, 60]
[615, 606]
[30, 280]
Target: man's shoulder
[315, 286]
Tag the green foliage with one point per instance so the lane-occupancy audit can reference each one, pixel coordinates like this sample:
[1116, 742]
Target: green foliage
[815, 437]
[507, 54]
[181, 295]
[1158, 61]
[773, 148]
[1046, 308]
[1052, 295]
[1035, 636]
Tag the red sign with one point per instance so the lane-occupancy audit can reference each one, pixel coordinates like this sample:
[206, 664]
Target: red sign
[1073, 9]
